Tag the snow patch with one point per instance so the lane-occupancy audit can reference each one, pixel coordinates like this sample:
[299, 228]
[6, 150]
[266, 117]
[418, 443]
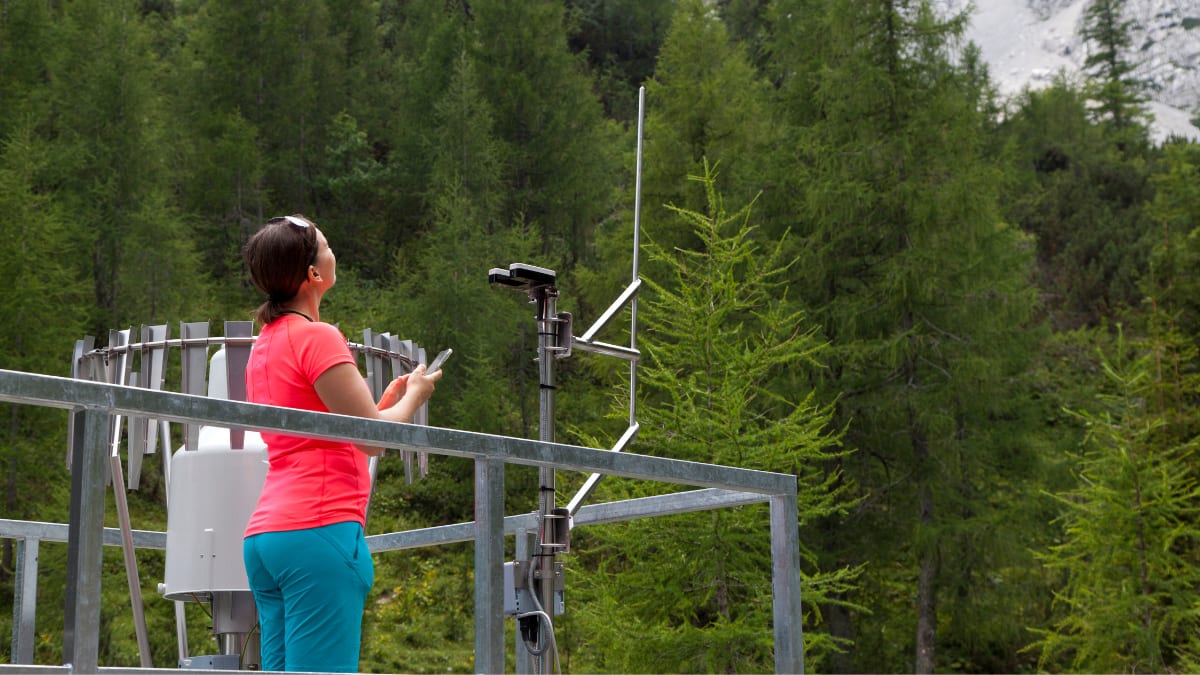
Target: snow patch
[1027, 43]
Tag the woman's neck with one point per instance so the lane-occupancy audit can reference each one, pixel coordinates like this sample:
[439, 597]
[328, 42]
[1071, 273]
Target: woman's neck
[305, 305]
[296, 312]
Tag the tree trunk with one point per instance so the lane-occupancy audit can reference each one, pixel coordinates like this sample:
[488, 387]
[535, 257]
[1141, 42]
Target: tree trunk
[841, 625]
[926, 656]
[927, 594]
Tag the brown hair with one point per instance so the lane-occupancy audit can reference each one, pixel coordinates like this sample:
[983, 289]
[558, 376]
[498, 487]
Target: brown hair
[278, 257]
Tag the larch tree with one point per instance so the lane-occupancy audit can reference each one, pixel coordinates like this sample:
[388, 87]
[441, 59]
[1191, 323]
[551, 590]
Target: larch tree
[704, 102]
[115, 172]
[559, 152]
[692, 593]
[40, 255]
[1130, 537]
[923, 292]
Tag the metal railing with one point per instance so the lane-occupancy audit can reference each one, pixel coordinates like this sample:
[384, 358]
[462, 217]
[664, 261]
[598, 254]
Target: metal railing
[92, 404]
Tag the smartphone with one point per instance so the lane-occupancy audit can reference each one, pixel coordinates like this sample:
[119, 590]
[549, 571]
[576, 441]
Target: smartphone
[438, 361]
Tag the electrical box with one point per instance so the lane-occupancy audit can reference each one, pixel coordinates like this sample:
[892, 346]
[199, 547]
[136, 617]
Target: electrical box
[517, 597]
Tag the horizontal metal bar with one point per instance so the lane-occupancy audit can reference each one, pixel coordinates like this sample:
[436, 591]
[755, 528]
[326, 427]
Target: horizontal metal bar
[115, 670]
[216, 340]
[595, 514]
[665, 505]
[443, 534]
[47, 390]
[57, 532]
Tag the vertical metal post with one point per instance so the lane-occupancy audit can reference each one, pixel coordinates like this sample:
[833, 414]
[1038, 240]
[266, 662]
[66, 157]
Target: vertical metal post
[523, 550]
[546, 298]
[164, 436]
[637, 245]
[237, 355]
[489, 566]
[25, 605]
[85, 542]
[194, 339]
[153, 354]
[131, 568]
[81, 369]
[785, 582]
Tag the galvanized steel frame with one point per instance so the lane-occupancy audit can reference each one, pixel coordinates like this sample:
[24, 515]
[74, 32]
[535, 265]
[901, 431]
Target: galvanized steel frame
[96, 402]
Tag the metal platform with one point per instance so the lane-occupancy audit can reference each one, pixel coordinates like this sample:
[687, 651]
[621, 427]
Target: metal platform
[92, 405]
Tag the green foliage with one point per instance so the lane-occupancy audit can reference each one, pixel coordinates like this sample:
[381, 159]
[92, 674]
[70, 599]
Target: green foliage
[1120, 96]
[708, 103]
[696, 588]
[558, 148]
[1170, 319]
[422, 622]
[37, 328]
[27, 49]
[1175, 210]
[923, 293]
[441, 289]
[621, 39]
[352, 181]
[1083, 198]
[1130, 539]
[705, 101]
[110, 167]
[881, 303]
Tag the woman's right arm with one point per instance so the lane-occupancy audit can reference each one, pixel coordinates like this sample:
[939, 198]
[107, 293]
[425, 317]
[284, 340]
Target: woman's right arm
[343, 391]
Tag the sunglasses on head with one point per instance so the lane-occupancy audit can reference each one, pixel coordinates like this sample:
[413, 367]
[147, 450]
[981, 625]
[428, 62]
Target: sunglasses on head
[296, 222]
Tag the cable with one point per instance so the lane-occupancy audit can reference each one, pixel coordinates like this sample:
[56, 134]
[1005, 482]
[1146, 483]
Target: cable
[202, 605]
[540, 613]
[242, 651]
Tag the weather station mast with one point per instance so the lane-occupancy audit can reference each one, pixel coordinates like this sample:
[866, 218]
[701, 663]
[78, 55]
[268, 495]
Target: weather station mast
[533, 583]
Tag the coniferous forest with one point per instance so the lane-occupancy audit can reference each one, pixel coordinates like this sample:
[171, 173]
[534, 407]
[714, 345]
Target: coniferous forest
[966, 323]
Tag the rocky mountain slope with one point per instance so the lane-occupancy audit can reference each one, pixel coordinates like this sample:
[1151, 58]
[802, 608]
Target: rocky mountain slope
[1026, 42]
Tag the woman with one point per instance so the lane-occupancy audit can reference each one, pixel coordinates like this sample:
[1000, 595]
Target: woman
[306, 559]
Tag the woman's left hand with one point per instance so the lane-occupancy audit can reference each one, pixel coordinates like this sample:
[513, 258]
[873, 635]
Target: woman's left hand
[394, 392]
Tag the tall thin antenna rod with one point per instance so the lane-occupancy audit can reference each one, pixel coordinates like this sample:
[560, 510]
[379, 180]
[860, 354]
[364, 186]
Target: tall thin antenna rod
[629, 295]
[637, 231]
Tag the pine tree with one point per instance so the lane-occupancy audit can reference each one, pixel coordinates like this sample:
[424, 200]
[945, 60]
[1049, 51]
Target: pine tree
[114, 171]
[559, 151]
[621, 39]
[922, 290]
[38, 329]
[704, 101]
[1118, 93]
[695, 589]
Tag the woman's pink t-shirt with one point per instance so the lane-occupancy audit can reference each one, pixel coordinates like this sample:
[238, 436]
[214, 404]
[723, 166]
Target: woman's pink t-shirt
[310, 482]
